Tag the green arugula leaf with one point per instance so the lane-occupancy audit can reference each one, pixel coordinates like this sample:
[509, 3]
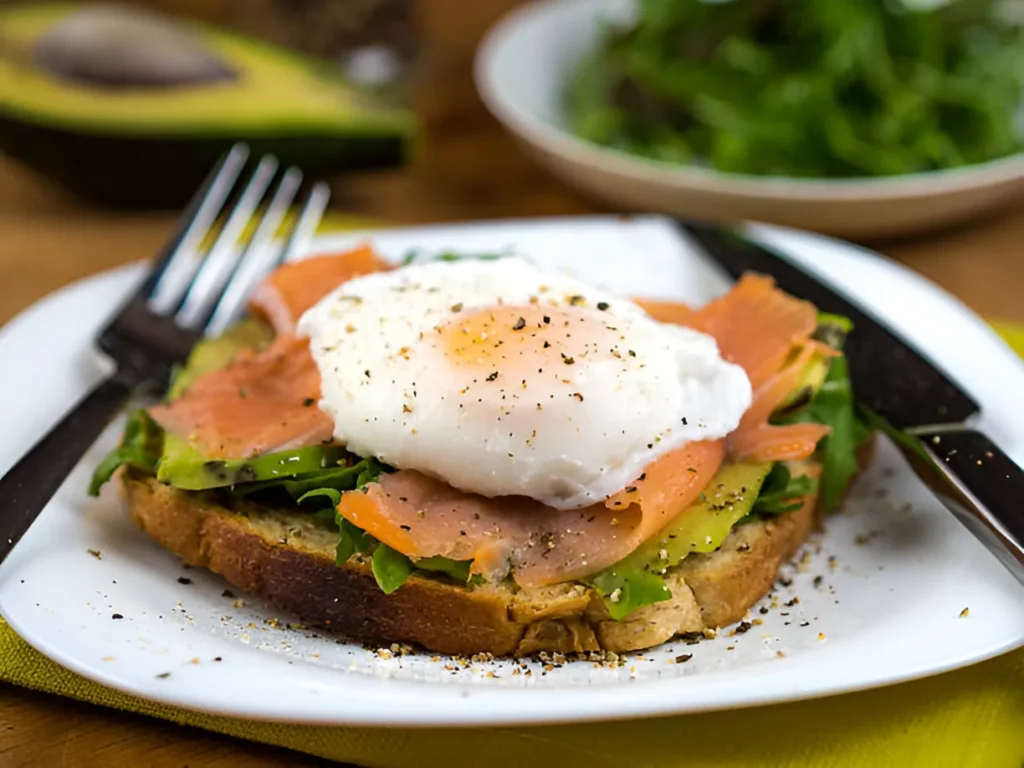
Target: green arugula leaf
[414, 255]
[330, 493]
[456, 570]
[390, 568]
[833, 406]
[782, 492]
[626, 592]
[805, 88]
[371, 470]
[354, 540]
[339, 478]
[327, 515]
[139, 448]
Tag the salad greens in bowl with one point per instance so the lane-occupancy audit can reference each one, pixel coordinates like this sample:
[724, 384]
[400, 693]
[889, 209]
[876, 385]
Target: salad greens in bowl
[853, 117]
[805, 88]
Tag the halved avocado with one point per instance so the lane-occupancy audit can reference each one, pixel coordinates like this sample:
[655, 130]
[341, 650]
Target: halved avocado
[138, 140]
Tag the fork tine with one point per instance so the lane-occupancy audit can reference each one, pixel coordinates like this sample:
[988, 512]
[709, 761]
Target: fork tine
[301, 236]
[172, 272]
[259, 256]
[219, 263]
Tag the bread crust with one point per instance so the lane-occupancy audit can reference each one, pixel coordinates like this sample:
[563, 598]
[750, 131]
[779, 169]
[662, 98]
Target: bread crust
[288, 560]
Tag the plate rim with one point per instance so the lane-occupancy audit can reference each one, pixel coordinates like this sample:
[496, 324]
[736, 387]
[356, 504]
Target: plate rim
[659, 703]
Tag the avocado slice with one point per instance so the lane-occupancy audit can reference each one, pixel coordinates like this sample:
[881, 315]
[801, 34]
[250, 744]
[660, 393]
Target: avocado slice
[150, 143]
[832, 330]
[346, 477]
[214, 353]
[636, 580]
[184, 467]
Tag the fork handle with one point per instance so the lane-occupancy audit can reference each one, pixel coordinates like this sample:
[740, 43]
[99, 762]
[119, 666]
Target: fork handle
[30, 484]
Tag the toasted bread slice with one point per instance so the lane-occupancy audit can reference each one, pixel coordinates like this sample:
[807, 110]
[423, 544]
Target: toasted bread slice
[288, 559]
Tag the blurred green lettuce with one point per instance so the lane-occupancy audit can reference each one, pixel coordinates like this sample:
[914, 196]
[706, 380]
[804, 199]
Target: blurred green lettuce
[807, 88]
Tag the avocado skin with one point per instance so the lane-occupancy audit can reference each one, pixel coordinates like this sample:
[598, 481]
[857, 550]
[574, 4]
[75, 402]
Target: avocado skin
[151, 172]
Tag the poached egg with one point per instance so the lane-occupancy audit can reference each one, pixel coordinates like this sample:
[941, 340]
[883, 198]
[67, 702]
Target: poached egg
[506, 380]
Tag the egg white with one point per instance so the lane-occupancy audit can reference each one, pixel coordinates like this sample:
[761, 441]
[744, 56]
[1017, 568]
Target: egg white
[502, 379]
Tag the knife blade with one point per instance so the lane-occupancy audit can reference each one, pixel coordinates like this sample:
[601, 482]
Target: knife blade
[907, 396]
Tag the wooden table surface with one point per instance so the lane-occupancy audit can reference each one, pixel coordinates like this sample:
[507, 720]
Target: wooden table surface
[468, 169]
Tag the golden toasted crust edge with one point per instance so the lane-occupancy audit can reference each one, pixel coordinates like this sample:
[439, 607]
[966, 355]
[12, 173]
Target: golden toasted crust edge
[286, 559]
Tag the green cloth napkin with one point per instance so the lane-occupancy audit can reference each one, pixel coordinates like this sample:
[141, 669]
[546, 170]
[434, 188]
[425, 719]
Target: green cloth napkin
[970, 717]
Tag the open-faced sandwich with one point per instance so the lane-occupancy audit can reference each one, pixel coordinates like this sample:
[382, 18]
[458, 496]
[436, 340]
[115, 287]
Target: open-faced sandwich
[477, 456]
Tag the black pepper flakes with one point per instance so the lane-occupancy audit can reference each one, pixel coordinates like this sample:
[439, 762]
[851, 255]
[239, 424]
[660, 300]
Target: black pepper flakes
[744, 626]
[603, 305]
[116, 616]
[228, 593]
[520, 324]
[567, 360]
[492, 376]
[683, 658]
[547, 320]
[184, 580]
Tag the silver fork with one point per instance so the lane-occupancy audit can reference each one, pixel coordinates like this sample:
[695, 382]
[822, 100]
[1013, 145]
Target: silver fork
[184, 295]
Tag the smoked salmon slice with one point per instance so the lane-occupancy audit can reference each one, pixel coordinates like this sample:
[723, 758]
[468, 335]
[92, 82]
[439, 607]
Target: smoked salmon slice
[423, 517]
[757, 325]
[290, 290]
[767, 332]
[756, 440]
[671, 312]
[259, 403]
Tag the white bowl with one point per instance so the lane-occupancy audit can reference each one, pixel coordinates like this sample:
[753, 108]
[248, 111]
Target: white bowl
[521, 70]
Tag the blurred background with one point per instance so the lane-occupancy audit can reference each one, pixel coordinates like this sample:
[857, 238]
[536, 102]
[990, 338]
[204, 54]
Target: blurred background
[414, 53]
[876, 120]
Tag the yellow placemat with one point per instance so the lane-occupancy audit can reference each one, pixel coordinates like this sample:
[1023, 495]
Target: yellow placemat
[972, 718]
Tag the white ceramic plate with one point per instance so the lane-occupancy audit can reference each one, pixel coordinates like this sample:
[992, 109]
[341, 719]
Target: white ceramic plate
[884, 610]
[522, 69]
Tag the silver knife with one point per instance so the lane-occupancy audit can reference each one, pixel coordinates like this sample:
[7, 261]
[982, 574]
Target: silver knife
[906, 396]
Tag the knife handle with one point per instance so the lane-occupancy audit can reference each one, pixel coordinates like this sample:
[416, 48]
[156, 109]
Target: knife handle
[980, 485]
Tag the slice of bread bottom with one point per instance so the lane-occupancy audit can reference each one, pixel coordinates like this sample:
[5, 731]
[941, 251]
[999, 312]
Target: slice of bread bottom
[288, 559]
